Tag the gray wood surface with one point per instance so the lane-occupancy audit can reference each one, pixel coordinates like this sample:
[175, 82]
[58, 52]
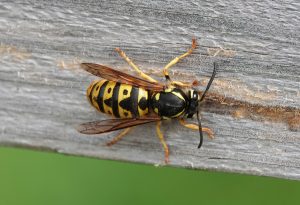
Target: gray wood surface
[253, 106]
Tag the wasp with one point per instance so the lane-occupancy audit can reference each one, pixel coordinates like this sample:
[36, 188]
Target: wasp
[139, 100]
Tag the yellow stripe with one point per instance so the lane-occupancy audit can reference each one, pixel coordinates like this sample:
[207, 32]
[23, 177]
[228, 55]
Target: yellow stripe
[170, 90]
[157, 95]
[110, 85]
[96, 93]
[178, 95]
[121, 97]
[177, 115]
[89, 90]
[142, 93]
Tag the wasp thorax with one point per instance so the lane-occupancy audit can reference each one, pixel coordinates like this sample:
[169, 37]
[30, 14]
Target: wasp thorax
[170, 103]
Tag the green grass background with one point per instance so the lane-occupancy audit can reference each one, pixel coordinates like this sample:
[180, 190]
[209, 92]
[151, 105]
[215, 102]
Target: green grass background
[31, 177]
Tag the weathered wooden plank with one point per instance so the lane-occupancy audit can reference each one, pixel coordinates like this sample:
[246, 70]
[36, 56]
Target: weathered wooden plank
[254, 102]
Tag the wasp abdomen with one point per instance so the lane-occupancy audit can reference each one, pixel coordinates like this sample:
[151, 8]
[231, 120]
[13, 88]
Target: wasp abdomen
[170, 103]
[117, 99]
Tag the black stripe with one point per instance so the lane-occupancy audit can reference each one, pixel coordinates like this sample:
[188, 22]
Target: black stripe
[126, 104]
[143, 103]
[91, 93]
[100, 96]
[108, 102]
[115, 105]
[134, 94]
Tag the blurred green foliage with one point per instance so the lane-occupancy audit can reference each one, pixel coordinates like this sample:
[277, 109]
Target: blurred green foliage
[30, 177]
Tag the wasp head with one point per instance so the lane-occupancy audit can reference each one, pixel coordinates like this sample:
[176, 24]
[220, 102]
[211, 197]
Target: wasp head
[193, 98]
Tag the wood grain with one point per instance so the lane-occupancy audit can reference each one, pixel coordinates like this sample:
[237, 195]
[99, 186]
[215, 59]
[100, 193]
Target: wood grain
[42, 93]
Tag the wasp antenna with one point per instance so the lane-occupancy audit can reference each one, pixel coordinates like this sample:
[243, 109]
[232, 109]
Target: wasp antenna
[210, 81]
[200, 130]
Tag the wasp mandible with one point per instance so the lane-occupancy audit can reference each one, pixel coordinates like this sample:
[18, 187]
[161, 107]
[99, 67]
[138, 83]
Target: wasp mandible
[138, 100]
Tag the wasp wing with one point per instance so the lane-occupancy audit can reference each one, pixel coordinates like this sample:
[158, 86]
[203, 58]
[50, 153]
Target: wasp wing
[118, 76]
[98, 127]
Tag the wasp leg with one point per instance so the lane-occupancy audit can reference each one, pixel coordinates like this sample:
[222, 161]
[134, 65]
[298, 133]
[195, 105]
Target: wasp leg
[196, 127]
[181, 84]
[163, 142]
[137, 69]
[184, 84]
[118, 137]
[175, 60]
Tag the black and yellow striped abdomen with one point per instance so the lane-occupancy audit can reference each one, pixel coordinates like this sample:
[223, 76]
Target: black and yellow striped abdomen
[119, 100]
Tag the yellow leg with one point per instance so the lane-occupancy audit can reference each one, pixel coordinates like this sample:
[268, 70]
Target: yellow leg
[118, 137]
[175, 60]
[137, 69]
[181, 84]
[163, 142]
[196, 127]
